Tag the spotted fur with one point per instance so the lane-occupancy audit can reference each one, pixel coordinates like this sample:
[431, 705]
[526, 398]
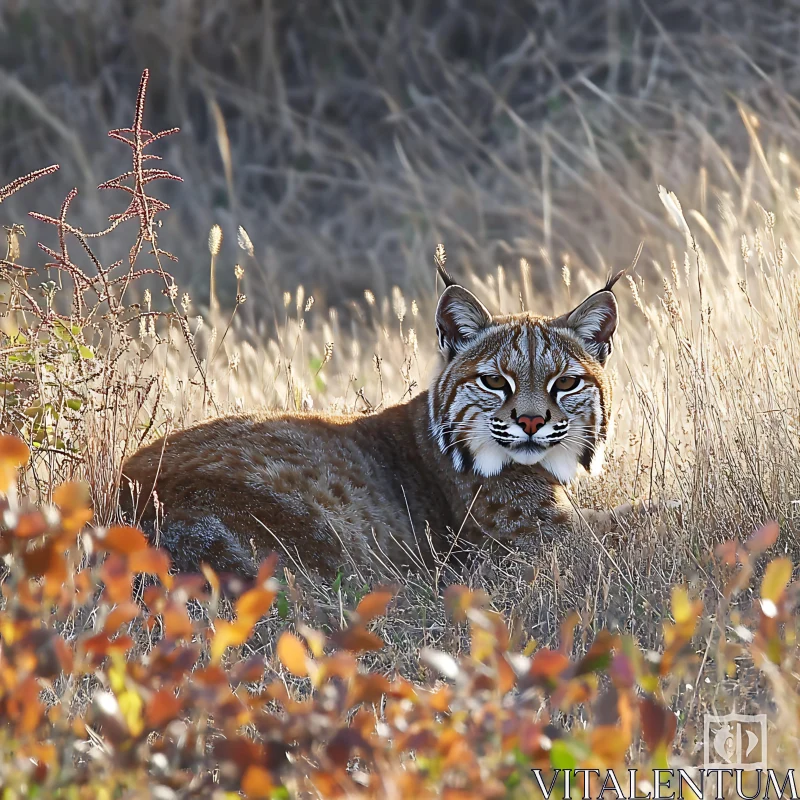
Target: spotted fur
[518, 405]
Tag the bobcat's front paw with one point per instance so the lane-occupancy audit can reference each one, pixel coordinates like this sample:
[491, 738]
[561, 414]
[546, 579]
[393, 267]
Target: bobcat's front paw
[606, 521]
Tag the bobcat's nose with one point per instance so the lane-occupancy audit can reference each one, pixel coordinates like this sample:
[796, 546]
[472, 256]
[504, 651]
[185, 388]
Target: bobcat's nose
[531, 424]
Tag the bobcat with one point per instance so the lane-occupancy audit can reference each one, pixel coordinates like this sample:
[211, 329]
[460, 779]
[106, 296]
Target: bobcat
[517, 406]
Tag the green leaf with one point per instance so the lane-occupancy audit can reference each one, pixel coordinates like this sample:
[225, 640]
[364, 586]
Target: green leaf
[282, 605]
[85, 351]
[561, 756]
[74, 403]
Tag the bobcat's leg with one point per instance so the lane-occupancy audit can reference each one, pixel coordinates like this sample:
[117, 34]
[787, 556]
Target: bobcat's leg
[607, 520]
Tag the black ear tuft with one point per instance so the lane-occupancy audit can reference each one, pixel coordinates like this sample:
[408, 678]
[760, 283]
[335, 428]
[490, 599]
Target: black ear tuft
[595, 322]
[460, 316]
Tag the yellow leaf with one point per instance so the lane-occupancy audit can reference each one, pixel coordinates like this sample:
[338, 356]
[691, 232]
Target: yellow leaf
[131, 706]
[778, 574]
[682, 610]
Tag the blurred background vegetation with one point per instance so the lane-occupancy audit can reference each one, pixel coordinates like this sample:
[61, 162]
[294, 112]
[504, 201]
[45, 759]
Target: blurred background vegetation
[349, 136]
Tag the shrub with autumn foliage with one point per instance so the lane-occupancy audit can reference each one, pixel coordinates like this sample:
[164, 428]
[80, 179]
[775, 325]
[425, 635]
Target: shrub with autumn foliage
[115, 686]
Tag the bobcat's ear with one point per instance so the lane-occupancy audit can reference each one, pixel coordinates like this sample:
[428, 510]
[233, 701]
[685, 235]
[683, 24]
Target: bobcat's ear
[460, 316]
[595, 323]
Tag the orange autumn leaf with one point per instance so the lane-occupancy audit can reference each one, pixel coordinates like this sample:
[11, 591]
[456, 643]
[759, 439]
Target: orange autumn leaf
[74, 500]
[152, 561]
[14, 453]
[229, 634]
[292, 654]
[254, 604]
[256, 782]
[267, 569]
[547, 666]
[176, 621]
[121, 615]
[123, 539]
[374, 604]
[117, 577]
[30, 525]
[72, 495]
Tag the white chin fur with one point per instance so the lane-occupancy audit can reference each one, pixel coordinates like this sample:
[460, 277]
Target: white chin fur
[561, 463]
[528, 458]
[489, 460]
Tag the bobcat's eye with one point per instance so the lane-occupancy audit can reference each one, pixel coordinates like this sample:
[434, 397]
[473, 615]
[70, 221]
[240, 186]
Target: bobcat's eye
[496, 383]
[566, 383]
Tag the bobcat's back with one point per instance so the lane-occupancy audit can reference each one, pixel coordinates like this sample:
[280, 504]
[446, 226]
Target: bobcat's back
[320, 488]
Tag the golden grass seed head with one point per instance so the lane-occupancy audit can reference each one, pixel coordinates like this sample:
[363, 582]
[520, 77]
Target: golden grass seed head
[186, 302]
[287, 298]
[398, 303]
[369, 297]
[238, 271]
[244, 242]
[637, 301]
[309, 303]
[214, 239]
[676, 276]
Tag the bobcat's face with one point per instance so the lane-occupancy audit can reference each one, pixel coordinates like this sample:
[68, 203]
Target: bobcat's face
[521, 388]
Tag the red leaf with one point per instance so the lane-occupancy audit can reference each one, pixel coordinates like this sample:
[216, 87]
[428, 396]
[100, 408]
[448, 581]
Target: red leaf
[658, 723]
[547, 666]
[162, 707]
[357, 639]
[763, 538]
